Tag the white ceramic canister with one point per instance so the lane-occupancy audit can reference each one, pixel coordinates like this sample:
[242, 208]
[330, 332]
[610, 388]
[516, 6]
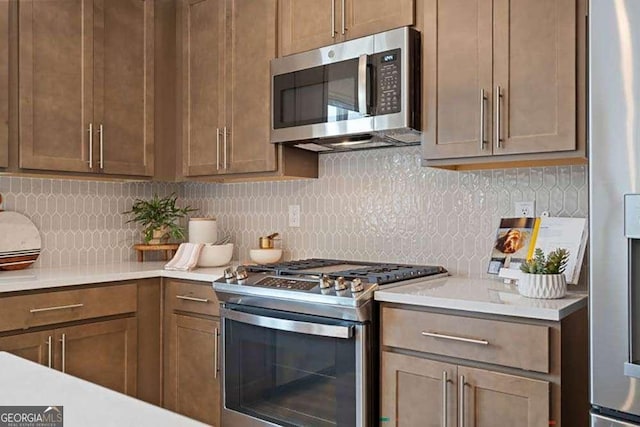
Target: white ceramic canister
[203, 230]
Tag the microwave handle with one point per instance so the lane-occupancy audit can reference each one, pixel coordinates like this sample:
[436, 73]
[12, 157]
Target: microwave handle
[362, 85]
[334, 331]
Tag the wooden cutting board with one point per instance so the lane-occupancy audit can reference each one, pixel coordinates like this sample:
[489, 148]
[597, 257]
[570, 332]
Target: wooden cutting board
[20, 241]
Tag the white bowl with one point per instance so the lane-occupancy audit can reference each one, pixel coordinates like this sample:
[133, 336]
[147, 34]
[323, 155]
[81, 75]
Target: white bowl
[215, 255]
[265, 256]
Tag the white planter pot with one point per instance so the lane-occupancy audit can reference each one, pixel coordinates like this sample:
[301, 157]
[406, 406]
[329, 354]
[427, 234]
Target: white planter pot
[544, 286]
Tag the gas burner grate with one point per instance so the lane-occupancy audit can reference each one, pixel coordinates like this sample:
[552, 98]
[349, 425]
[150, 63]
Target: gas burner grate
[373, 272]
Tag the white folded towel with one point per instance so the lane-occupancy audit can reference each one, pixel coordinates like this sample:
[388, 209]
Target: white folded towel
[186, 257]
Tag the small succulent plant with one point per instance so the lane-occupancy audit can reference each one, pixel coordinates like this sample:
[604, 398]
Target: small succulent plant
[554, 262]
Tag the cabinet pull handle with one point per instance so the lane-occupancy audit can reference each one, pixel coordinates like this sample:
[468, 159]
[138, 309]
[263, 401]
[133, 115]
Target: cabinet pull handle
[224, 143]
[333, 19]
[483, 99]
[344, 28]
[461, 401]
[445, 380]
[188, 298]
[59, 307]
[218, 149]
[63, 340]
[455, 338]
[101, 132]
[49, 349]
[215, 353]
[90, 130]
[498, 118]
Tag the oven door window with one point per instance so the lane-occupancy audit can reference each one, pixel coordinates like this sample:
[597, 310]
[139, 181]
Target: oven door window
[290, 378]
[323, 94]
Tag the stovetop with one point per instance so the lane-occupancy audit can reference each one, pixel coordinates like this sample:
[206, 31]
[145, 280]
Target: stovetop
[372, 272]
[324, 287]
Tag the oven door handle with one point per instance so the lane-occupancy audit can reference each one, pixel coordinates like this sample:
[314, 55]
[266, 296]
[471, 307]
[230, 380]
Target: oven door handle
[334, 331]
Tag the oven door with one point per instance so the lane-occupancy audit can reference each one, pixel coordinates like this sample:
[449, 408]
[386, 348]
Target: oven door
[287, 369]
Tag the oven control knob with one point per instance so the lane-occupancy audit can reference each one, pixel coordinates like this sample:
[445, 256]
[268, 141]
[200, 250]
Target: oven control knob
[241, 274]
[340, 284]
[325, 282]
[229, 275]
[356, 285]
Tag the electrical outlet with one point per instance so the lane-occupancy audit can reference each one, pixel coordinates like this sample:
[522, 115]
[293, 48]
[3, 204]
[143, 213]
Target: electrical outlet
[294, 215]
[525, 209]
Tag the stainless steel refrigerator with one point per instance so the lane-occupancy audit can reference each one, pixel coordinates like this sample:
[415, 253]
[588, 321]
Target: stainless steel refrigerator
[614, 211]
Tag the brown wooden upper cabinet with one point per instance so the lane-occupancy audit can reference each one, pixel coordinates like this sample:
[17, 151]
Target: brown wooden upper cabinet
[227, 46]
[226, 92]
[501, 77]
[308, 24]
[86, 86]
[4, 83]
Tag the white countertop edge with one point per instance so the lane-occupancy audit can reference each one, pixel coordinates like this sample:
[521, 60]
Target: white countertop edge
[48, 278]
[84, 403]
[579, 301]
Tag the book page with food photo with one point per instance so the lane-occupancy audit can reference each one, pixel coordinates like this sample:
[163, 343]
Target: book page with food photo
[512, 243]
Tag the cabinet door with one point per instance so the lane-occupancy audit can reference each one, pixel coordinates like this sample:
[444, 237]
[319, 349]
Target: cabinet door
[535, 67]
[308, 24]
[34, 346]
[4, 83]
[251, 44]
[492, 399]
[123, 85]
[192, 383]
[56, 84]
[365, 17]
[417, 392]
[457, 64]
[202, 31]
[104, 353]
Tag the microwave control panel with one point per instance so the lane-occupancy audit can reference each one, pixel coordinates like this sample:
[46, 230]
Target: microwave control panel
[388, 82]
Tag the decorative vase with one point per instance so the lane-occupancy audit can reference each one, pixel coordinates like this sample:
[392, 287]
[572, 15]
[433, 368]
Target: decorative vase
[544, 286]
[160, 236]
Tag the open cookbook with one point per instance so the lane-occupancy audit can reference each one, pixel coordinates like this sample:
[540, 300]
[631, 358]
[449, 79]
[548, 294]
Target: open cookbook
[517, 239]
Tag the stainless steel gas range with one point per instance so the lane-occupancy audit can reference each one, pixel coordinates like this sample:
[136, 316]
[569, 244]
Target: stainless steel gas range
[300, 340]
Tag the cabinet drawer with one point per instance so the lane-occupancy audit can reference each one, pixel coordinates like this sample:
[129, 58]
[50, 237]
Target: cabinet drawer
[503, 343]
[27, 311]
[192, 297]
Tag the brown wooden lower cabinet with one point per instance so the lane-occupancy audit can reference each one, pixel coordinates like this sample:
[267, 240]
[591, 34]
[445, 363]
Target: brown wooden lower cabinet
[192, 382]
[31, 346]
[424, 384]
[486, 399]
[192, 348]
[103, 352]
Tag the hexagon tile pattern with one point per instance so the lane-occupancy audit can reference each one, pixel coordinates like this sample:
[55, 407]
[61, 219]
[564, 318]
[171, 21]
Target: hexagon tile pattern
[382, 205]
[80, 222]
[378, 205]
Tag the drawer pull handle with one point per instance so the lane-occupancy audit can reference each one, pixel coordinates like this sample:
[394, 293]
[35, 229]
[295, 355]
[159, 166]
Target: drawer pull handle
[60, 307]
[454, 338]
[184, 297]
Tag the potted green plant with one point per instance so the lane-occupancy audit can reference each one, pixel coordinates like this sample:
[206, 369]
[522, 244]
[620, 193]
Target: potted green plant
[544, 275]
[159, 218]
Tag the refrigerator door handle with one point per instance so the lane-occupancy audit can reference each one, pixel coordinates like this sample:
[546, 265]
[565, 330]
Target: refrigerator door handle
[631, 370]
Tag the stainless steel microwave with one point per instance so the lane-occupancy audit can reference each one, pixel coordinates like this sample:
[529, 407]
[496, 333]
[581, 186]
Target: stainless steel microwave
[363, 93]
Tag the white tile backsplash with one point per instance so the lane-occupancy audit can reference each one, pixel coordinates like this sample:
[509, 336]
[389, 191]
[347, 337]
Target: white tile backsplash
[377, 205]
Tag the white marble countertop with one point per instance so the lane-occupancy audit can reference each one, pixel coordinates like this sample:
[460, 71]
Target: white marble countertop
[44, 278]
[481, 296]
[24, 383]
[477, 295]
